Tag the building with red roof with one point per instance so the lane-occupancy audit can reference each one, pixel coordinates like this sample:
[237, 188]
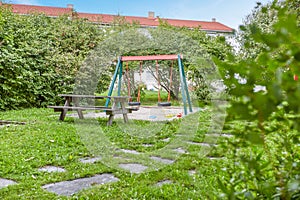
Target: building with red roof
[211, 27]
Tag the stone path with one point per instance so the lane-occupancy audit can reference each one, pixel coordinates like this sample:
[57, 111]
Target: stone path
[162, 160]
[133, 167]
[89, 160]
[192, 172]
[202, 144]
[68, 188]
[51, 169]
[180, 150]
[164, 182]
[130, 151]
[6, 182]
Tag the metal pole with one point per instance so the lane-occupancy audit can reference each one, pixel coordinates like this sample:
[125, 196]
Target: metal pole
[182, 85]
[120, 78]
[111, 87]
[186, 86]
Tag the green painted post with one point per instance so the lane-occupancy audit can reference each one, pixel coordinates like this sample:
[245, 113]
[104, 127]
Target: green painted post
[186, 86]
[182, 85]
[111, 87]
[120, 78]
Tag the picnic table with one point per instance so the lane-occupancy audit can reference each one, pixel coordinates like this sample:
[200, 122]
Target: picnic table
[72, 103]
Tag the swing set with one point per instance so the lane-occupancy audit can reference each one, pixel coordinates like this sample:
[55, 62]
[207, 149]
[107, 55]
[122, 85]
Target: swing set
[119, 73]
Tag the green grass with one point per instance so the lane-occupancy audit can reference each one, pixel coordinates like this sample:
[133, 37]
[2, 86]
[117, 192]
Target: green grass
[46, 141]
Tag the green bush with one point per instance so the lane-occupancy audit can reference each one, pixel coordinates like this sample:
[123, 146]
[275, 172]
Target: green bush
[40, 57]
[264, 159]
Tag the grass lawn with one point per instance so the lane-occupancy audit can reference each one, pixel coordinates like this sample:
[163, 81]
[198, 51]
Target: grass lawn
[44, 141]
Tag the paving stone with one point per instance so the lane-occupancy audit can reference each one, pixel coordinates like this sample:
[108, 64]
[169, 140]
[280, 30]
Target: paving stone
[180, 150]
[6, 182]
[219, 135]
[68, 188]
[148, 145]
[166, 140]
[51, 169]
[180, 135]
[192, 172]
[215, 158]
[130, 151]
[133, 167]
[164, 182]
[90, 160]
[163, 160]
[202, 144]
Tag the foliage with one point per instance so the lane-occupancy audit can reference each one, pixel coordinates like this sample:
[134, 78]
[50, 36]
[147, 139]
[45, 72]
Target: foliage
[262, 19]
[202, 70]
[40, 56]
[163, 40]
[266, 154]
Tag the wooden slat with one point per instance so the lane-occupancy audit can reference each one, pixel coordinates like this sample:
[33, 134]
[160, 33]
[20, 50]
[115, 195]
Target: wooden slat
[81, 108]
[153, 57]
[83, 96]
[93, 96]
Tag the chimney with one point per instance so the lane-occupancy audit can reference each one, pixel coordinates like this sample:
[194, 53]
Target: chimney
[213, 20]
[70, 6]
[151, 15]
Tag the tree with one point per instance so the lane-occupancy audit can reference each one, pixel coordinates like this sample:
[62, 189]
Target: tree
[200, 71]
[265, 122]
[262, 19]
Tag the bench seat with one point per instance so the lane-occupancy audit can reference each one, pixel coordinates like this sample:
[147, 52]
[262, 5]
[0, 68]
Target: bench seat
[118, 106]
[108, 110]
[60, 108]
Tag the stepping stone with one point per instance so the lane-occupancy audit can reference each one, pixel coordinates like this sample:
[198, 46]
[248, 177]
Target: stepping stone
[148, 145]
[161, 183]
[215, 158]
[202, 144]
[6, 182]
[163, 160]
[130, 151]
[180, 150]
[51, 169]
[90, 160]
[219, 135]
[133, 167]
[68, 188]
[192, 172]
[166, 140]
[180, 135]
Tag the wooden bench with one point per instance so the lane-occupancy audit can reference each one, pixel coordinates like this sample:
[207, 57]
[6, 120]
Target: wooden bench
[72, 104]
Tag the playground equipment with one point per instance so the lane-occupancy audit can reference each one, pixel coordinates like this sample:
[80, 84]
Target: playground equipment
[131, 103]
[184, 88]
[169, 89]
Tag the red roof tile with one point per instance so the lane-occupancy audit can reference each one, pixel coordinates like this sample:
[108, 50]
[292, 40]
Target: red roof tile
[107, 19]
[47, 10]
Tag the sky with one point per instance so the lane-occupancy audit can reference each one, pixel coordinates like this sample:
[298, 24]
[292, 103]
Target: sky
[228, 12]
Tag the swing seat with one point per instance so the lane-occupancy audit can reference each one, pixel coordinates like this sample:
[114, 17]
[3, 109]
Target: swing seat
[164, 103]
[134, 103]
